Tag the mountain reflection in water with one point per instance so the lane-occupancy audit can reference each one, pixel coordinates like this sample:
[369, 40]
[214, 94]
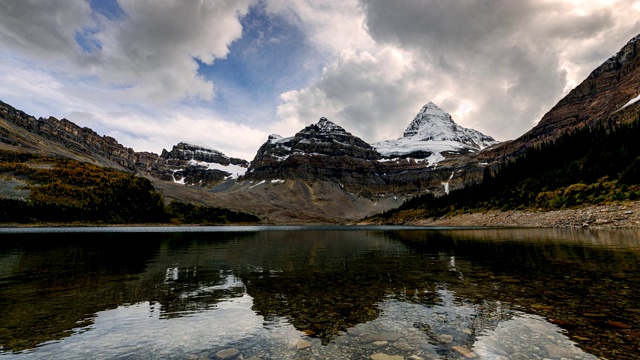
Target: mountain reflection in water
[494, 294]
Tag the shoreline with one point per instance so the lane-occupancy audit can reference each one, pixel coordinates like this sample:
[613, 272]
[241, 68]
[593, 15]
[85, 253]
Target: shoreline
[613, 215]
[618, 215]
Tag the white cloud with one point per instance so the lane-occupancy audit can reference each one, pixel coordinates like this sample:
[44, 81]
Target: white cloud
[153, 132]
[147, 55]
[154, 46]
[332, 25]
[364, 92]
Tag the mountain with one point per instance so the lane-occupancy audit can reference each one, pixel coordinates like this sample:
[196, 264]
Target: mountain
[432, 133]
[23, 132]
[583, 151]
[185, 164]
[609, 94]
[190, 164]
[319, 151]
[321, 174]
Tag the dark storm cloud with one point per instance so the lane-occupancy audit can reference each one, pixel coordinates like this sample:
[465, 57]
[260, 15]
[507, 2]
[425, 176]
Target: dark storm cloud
[508, 59]
[503, 55]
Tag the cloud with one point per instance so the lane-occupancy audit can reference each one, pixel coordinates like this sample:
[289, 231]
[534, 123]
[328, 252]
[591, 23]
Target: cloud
[155, 131]
[496, 66]
[42, 29]
[364, 92]
[148, 54]
[331, 25]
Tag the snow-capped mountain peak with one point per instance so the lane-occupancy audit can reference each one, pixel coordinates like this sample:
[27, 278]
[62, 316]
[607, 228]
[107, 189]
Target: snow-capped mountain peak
[432, 123]
[431, 133]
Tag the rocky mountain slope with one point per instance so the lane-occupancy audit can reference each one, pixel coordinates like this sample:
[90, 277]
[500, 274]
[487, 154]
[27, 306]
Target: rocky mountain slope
[22, 132]
[609, 94]
[319, 151]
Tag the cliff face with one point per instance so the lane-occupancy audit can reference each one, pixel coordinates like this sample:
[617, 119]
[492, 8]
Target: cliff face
[189, 164]
[82, 143]
[607, 94]
[186, 151]
[322, 151]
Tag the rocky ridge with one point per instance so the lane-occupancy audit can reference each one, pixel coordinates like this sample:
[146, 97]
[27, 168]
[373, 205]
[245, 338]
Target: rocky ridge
[185, 164]
[609, 94]
[190, 164]
[186, 151]
[24, 132]
[323, 151]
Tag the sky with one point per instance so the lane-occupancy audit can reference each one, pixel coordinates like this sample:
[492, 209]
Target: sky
[227, 73]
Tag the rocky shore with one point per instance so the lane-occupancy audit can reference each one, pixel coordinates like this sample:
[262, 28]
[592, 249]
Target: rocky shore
[620, 215]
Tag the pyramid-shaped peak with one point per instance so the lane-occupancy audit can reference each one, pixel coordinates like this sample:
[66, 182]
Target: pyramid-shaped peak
[432, 109]
[431, 118]
[324, 125]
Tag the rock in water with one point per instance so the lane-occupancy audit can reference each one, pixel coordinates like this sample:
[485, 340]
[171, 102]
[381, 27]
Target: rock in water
[227, 354]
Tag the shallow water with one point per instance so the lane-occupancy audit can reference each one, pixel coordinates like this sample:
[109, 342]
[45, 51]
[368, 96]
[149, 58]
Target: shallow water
[318, 293]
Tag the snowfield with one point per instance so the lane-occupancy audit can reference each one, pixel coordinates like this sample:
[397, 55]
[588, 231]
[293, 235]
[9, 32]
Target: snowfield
[235, 170]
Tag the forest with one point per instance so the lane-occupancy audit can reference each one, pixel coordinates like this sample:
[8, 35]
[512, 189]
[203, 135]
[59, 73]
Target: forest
[67, 191]
[587, 165]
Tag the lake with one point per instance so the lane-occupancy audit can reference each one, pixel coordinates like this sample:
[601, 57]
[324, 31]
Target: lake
[319, 293]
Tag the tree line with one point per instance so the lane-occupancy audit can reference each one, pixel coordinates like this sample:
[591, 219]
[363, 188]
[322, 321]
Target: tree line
[64, 191]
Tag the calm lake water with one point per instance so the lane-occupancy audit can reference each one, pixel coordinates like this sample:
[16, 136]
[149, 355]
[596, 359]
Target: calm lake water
[319, 293]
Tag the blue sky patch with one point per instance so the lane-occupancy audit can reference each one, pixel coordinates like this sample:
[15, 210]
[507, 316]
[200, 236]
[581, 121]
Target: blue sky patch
[108, 8]
[273, 56]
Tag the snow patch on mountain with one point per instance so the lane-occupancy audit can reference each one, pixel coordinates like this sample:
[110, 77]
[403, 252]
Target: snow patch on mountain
[235, 171]
[631, 102]
[433, 132]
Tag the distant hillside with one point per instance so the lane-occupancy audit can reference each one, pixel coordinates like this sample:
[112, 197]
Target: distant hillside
[41, 189]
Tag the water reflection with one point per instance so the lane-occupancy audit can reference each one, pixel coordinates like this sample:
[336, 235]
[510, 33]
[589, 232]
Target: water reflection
[337, 294]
